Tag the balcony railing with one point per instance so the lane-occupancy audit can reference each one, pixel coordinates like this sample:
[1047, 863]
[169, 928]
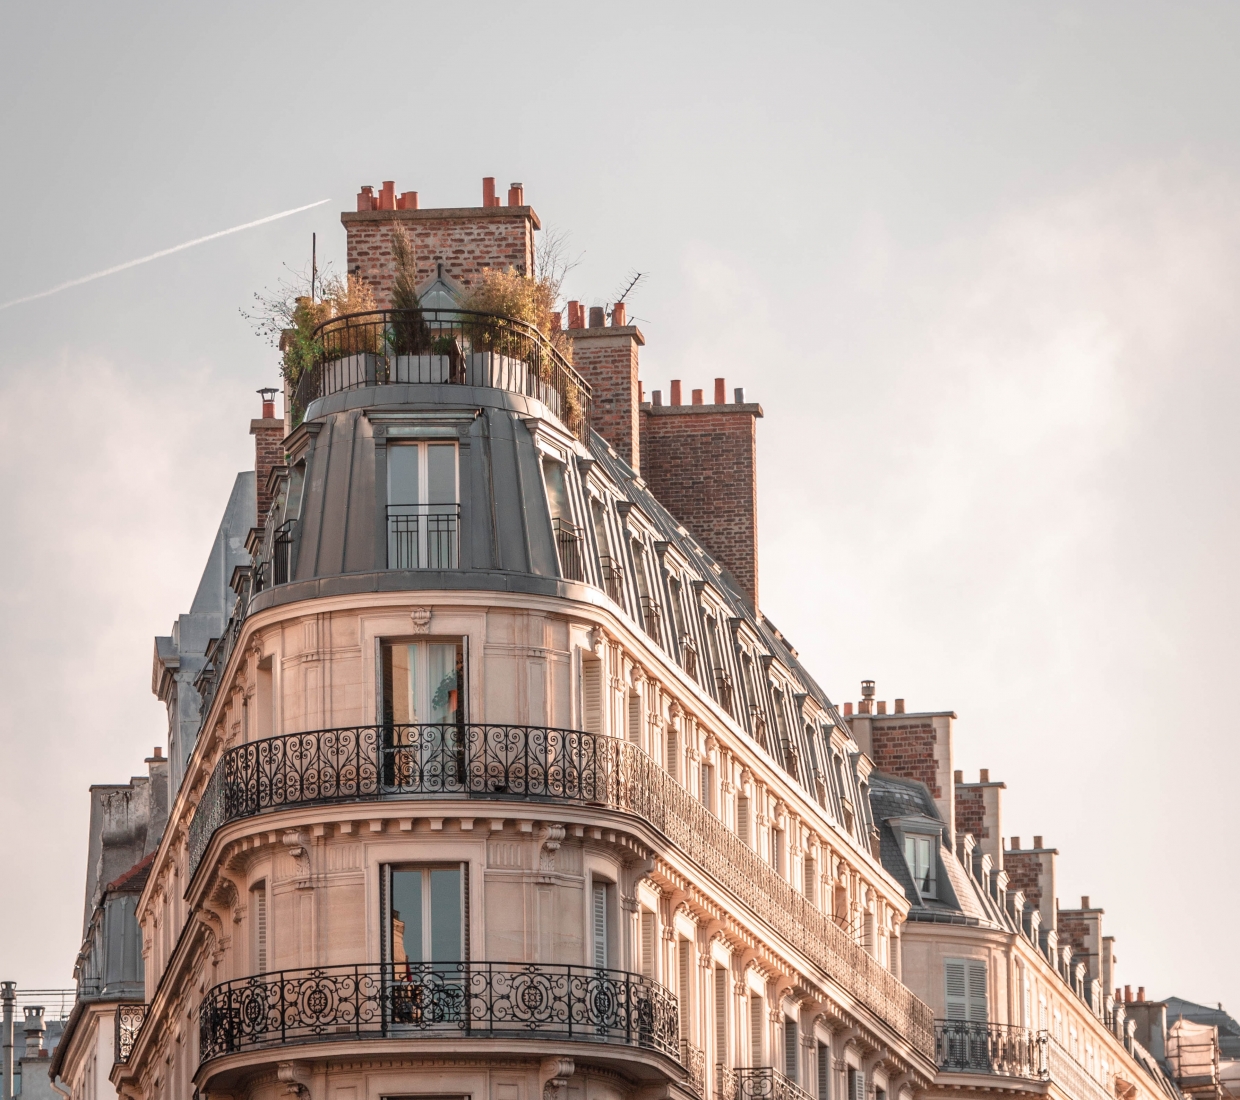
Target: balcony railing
[1072, 1078]
[694, 1060]
[965, 1046]
[536, 763]
[443, 347]
[129, 1021]
[650, 616]
[282, 553]
[459, 999]
[613, 577]
[568, 542]
[759, 1083]
[423, 536]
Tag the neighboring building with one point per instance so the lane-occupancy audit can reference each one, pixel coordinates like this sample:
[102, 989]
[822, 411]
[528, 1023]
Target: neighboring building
[491, 779]
[1199, 1045]
[1020, 987]
[126, 824]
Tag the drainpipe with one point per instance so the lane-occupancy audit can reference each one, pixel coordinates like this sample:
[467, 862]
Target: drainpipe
[8, 993]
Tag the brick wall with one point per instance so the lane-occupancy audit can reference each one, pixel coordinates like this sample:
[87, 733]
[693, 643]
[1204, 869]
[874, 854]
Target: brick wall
[607, 359]
[700, 461]
[971, 813]
[908, 750]
[1073, 932]
[1024, 870]
[268, 452]
[465, 240]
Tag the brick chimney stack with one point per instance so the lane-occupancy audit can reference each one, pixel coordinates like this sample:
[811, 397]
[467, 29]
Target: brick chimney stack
[268, 433]
[466, 240]
[606, 356]
[701, 462]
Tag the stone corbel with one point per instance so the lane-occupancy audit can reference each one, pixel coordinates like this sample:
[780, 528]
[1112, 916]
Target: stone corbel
[295, 1076]
[421, 619]
[553, 1075]
[549, 839]
[298, 845]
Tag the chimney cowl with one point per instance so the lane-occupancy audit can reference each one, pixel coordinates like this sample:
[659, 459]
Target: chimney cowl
[867, 689]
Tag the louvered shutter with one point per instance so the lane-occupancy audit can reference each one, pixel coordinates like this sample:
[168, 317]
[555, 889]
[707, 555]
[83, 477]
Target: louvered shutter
[756, 1025]
[600, 924]
[824, 1072]
[790, 1048]
[721, 1016]
[742, 817]
[859, 1085]
[673, 753]
[682, 983]
[635, 718]
[648, 942]
[977, 990]
[956, 998]
[260, 927]
[592, 694]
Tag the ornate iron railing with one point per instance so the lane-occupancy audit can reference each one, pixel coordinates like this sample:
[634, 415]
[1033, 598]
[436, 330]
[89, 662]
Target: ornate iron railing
[1004, 1050]
[463, 999]
[758, 1083]
[282, 553]
[694, 1060]
[129, 1021]
[1073, 1079]
[423, 536]
[456, 347]
[532, 762]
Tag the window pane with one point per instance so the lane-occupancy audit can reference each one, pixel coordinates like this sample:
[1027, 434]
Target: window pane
[445, 914]
[399, 672]
[403, 474]
[557, 493]
[442, 681]
[406, 916]
[441, 473]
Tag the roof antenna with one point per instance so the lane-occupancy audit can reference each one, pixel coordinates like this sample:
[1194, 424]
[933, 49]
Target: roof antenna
[314, 263]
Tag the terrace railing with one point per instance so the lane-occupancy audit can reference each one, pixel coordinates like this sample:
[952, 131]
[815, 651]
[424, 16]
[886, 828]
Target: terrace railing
[968, 1046]
[129, 1021]
[455, 347]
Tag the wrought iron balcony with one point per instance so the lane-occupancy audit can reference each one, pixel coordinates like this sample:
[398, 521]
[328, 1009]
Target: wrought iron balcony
[423, 536]
[457, 999]
[541, 764]
[694, 1060]
[613, 577]
[129, 1021]
[966, 1046]
[650, 616]
[568, 542]
[454, 347]
[758, 1083]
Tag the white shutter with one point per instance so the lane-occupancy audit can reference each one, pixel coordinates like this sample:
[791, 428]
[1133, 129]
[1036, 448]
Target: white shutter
[600, 924]
[648, 944]
[673, 753]
[956, 998]
[977, 990]
[756, 1027]
[260, 927]
[635, 717]
[721, 1016]
[592, 694]
[682, 983]
[742, 817]
[859, 1085]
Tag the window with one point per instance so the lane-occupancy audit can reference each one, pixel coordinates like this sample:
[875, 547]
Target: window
[649, 605]
[684, 972]
[965, 982]
[706, 788]
[599, 898]
[810, 875]
[609, 565]
[264, 699]
[791, 1042]
[635, 715]
[423, 682]
[422, 509]
[567, 533]
[742, 817]
[721, 1016]
[427, 914]
[777, 853]
[824, 1072]
[922, 859]
[856, 1084]
[258, 907]
[673, 753]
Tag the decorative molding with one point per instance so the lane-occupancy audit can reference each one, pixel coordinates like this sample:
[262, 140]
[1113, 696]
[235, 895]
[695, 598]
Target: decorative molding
[421, 617]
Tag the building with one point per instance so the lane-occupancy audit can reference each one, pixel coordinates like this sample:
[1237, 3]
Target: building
[488, 775]
[126, 824]
[1020, 987]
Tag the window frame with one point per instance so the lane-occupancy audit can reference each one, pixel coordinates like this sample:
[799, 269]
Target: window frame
[387, 870]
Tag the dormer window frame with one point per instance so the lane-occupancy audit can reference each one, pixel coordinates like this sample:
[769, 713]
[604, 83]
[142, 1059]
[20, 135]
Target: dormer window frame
[917, 834]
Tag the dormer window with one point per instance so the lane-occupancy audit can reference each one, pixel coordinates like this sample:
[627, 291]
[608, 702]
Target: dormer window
[423, 509]
[922, 860]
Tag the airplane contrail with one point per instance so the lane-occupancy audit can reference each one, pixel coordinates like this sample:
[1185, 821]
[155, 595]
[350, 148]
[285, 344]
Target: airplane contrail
[157, 255]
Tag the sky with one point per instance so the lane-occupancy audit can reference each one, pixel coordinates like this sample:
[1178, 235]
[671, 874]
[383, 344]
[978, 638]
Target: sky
[977, 261]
